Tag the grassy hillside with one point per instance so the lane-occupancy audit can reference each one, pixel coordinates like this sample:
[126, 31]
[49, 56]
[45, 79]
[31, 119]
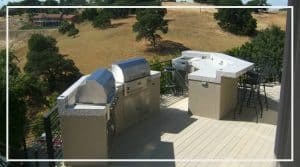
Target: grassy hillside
[188, 28]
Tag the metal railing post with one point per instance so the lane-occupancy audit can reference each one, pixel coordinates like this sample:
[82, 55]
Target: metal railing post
[48, 131]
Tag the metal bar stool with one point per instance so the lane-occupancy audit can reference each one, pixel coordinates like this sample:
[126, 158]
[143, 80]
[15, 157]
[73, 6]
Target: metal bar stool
[249, 93]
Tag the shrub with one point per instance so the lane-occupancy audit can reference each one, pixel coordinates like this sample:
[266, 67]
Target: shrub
[102, 21]
[223, 2]
[237, 21]
[38, 126]
[89, 14]
[52, 99]
[65, 26]
[265, 50]
[73, 32]
[159, 66]
[17, 105]
[116, 13]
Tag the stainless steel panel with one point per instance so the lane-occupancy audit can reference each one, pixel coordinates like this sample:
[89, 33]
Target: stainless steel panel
[98, 88]
[137, 105]
[82, 133]
[131, 69]
[154, 94]
[135, 86]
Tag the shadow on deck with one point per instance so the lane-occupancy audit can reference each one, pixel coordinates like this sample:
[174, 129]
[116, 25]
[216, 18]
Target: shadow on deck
[174, 134]
[144, 140]
[248, 113]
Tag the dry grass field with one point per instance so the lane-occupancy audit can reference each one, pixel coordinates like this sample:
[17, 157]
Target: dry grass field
[188, 28]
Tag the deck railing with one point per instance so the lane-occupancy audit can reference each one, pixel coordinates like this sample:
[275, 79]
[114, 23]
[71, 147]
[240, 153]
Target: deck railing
[53, 134]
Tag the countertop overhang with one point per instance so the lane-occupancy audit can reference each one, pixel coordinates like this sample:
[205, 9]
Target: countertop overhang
[211, 66]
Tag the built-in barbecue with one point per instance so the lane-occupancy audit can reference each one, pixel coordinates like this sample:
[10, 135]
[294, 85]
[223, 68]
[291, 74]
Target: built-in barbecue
[138, 90]
[105, 103]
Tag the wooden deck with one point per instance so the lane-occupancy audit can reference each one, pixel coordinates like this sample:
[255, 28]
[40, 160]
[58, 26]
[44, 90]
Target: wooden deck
[173, 133]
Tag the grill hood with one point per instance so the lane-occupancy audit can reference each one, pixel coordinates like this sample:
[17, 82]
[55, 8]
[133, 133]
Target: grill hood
[131, 69]
[98, 88]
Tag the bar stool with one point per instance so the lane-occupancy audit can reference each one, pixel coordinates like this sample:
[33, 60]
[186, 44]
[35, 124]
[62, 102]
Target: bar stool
[249, 93]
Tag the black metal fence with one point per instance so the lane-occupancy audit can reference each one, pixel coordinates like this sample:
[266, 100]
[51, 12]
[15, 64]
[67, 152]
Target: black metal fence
[46, 145]
[53, 134]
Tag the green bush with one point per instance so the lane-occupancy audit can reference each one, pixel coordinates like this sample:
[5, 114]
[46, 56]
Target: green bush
[73, 32]
[236, 21]
[52, 99]
[65, 26]
[160, 66]
[17, 105]
[102, 21]
[69, 28]
[38, 125]
[222, 2]
[89, 14]
[117, 13]
[265, 50]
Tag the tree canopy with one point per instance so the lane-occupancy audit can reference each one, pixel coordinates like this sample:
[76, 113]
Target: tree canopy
[2, 98]
[223, 2]
[237, 21]
[102, 20]
[51, 3]
[258, 3]
[45, 62]
[65, 26]
[17, 105]
[149, 22]
[46, 71]
[69, 28]
[116, 13]
[265, 50]
[89, 14]
[73, 2]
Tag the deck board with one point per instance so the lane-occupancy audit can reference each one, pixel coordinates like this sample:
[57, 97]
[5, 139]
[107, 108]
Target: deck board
[173, 133]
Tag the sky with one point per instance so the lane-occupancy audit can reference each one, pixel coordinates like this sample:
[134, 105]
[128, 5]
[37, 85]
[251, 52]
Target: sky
[272, 2]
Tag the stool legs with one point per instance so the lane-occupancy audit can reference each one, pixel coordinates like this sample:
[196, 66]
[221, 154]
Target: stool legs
[254, 96]
[266, 99]
[260, 103]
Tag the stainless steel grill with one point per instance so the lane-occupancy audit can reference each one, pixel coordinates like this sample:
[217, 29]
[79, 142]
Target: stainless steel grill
[131, 69]
[133, 74]
[84, 110]
[98, 88]
[105, 103]
[137, 89]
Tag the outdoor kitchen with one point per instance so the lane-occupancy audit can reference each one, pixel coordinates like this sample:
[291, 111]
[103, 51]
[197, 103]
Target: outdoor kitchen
[212, 79]
[118, 113]
[105, 103]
